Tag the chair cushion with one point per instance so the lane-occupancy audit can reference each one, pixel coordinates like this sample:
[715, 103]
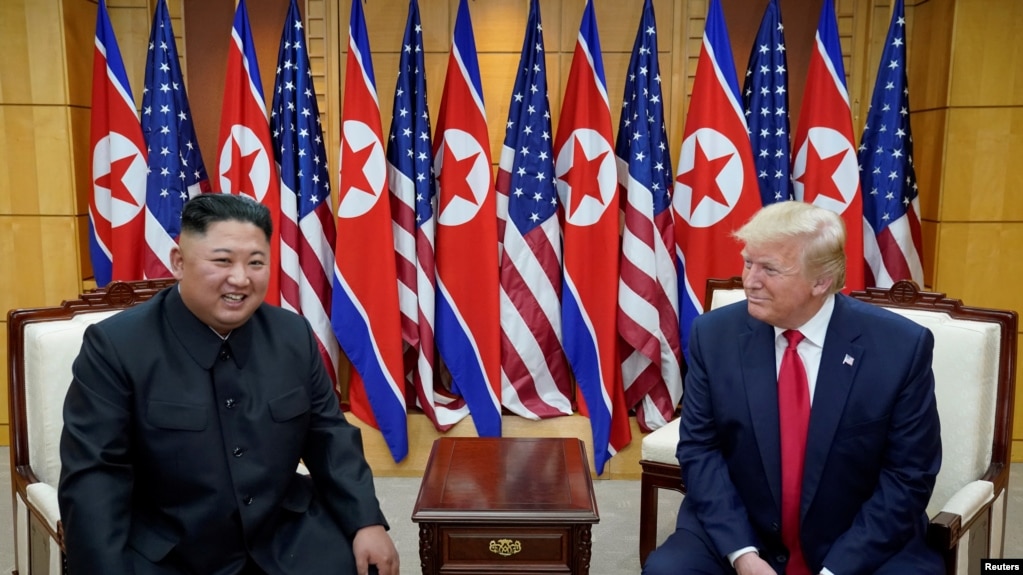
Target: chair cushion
[723, 297]
[660, 445]
[50, 347]
[966, 384]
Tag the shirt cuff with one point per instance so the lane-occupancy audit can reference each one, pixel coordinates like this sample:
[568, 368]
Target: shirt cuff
[736, 554]
[826, 571]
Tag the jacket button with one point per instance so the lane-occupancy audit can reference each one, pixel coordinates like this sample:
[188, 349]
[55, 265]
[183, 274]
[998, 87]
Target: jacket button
[229, 403]
[238, 451]
[248, 500]
[783, 559]
[775, 527]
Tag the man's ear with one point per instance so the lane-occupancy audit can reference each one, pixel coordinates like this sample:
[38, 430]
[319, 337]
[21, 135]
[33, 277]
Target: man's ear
[821, 286]
[177, 262]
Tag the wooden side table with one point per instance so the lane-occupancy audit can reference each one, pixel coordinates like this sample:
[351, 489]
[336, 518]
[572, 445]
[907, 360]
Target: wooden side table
[502, 505]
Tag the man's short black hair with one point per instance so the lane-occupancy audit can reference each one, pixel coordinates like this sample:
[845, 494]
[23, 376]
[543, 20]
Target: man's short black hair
[205, 209]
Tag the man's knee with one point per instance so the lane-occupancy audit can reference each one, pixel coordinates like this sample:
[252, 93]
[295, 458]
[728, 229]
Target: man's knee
[662, 561]
[683, 553]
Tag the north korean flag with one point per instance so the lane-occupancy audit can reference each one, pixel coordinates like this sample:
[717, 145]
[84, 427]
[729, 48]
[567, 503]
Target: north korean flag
[587, 172]
[468, 326]
[716, 188]
[246, 162]
[825, 170]
[116, 207]
[365, 312]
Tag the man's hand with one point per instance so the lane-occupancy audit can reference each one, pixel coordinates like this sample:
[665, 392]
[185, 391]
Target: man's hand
[373, 546]
[751, 564]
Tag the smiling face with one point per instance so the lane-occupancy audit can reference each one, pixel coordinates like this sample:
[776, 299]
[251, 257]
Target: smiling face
[779, 290]
[223, 274]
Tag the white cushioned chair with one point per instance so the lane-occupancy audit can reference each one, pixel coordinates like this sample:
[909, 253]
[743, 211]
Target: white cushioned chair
[974, 371]
[42, 344]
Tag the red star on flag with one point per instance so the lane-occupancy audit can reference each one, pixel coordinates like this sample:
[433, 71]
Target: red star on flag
[705, 186]
[356, 159]
[456, 178]
[244, 184]
[582, 177]
[114, 180]
[818, 175]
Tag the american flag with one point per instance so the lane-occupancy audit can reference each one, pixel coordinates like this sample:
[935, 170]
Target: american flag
[648, 290]
[891, 204]
[715, 188]
[468, 338]
[365, 312]
[245, 161]
[307, 234]
[588, 190]
[116, 220]
[765, 97]
[176, 170]
[824, 169]
[535, 381]
[413, 204]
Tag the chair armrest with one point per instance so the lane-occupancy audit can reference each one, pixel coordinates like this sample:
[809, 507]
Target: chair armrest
[43, 499]
[969, 501]
[956, 515]
[944, 531]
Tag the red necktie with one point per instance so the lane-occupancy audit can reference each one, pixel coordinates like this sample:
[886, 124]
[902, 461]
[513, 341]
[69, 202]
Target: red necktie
[794, 416]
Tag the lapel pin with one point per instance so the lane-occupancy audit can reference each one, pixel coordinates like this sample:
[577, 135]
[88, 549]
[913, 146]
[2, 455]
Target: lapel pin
[848, 360]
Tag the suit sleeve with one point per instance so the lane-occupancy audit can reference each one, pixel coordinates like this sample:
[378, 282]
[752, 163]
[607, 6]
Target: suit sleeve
[96, 478]
[335, 457]
[896, 510]
[709, 488]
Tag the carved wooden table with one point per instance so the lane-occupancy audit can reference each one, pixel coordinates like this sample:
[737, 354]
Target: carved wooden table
[504, 505]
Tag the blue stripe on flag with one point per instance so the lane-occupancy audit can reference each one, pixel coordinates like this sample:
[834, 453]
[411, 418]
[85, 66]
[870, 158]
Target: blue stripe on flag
[353, 334]
[106, 37]
[716, 34]
[461, 354]
[827, 31]
[465, 43]
[244, 30]
[581, 348]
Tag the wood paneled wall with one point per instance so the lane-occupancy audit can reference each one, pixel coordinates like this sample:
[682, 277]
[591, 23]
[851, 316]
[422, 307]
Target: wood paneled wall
[968, 132]
[968, 122]
[45, 99]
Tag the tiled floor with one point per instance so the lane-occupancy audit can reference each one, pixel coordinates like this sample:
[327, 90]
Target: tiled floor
[615, 538]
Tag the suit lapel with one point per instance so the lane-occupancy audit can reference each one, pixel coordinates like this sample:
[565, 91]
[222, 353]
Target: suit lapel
[840, 360]
[759, 374]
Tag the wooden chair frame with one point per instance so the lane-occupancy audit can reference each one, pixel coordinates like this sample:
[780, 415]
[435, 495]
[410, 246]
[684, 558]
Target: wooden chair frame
[117, 295]
[946, 529]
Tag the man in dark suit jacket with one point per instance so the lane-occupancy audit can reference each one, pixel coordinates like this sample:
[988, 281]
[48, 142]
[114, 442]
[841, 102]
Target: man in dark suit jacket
[872, 447]
[188, 415]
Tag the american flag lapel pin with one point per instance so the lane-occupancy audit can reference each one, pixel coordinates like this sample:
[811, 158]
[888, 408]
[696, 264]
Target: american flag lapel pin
[848, 360]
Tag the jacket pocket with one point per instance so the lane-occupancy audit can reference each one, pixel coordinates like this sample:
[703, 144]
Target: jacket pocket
[872, 427]
[299, 494]
[290, 405]
[181, 416]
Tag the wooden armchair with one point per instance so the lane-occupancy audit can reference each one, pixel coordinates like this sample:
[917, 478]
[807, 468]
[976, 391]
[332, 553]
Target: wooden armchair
[974, 372]
[42, 344]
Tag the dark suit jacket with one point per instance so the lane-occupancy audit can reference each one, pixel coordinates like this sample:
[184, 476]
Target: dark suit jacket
[179, 453]
[872, 453]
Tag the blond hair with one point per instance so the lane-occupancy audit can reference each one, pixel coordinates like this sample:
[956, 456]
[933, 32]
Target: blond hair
[820, 232]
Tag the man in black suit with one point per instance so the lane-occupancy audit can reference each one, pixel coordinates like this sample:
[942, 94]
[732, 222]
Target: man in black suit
[188, 415]
[809, 438]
